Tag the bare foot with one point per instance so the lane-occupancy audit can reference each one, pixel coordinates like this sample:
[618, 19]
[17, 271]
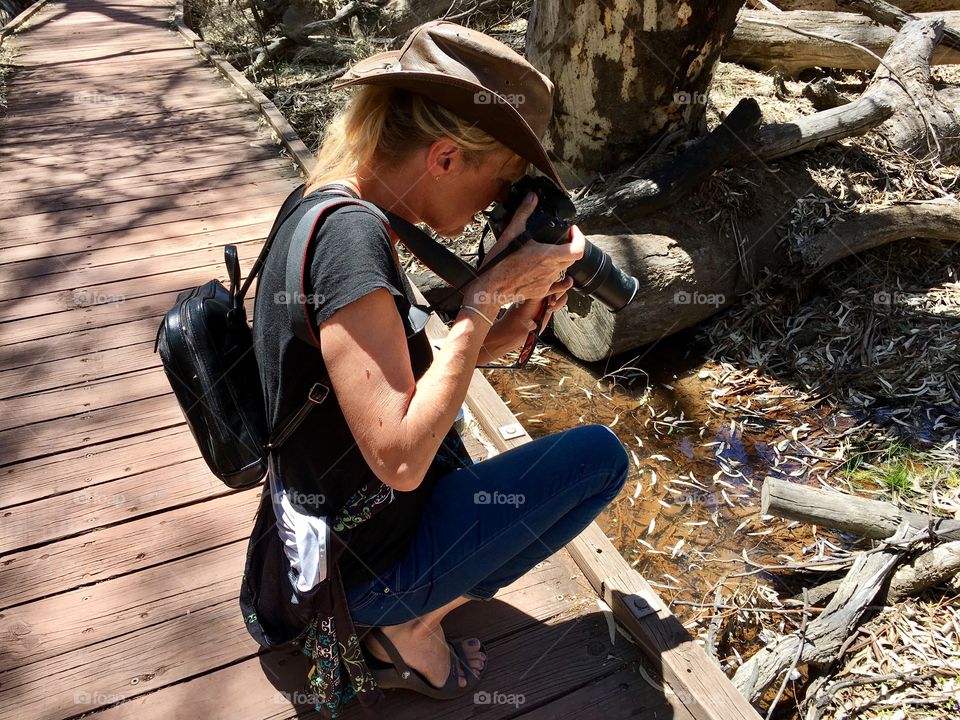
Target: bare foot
[425, 649]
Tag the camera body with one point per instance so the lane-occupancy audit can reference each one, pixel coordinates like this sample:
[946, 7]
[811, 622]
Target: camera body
[595, 274]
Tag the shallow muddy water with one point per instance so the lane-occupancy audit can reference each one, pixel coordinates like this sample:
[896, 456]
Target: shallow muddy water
[690, 509]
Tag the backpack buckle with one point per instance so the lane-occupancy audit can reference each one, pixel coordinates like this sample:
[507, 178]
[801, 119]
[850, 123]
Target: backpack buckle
[318, 393]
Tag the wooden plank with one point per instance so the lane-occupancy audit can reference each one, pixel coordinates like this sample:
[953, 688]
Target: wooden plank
[39, 174]
[95, 465]
[114, 216]
[84, 199]
[109, 278]
[69, 621]
[539, 663]
[107, 553]
[197, 223]
[98, 316]
[78, 73]
[628, 694]
[99, 674]
[145, 493]
[189, 178]
[697, 680]
[185, 123]
[109, 256]
[49, 375]
[142, 150]
[77, 344]
[129, 157]
[52, 626]
[28, 72]
[163, 286]
[93, 105]
[144, 142]
[68, 401]
[89, 428]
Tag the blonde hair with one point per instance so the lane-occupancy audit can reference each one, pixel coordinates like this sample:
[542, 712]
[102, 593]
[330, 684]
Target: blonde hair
[381, 123]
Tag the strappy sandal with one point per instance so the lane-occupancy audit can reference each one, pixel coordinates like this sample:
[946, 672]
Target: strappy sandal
[399, 675]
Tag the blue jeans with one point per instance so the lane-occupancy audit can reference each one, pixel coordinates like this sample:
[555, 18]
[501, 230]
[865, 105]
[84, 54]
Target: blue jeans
[487, 524]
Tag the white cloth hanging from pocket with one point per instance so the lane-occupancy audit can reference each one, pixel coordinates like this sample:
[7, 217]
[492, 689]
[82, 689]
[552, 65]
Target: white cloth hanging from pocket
[306, 538]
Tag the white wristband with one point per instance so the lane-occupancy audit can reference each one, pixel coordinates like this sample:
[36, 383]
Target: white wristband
[477, 311]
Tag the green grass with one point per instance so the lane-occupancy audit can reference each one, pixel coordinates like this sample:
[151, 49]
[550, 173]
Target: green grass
[893, 468]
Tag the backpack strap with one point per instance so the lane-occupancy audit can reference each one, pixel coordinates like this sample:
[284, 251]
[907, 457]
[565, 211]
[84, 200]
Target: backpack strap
[303, 234]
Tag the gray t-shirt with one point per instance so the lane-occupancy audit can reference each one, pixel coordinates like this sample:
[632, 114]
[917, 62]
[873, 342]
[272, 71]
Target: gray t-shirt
[320, 465]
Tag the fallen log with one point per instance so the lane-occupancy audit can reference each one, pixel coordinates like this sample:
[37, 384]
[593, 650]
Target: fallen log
[872, 519]
[926, 124]
[911, 6]
[924, 571]
[937, 219]
[771, 41]
[822, 637]
[892, 16]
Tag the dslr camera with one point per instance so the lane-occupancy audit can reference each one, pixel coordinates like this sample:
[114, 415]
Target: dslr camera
[595, 274]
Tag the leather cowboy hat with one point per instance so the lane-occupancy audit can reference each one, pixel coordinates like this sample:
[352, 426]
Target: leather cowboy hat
[478, 78]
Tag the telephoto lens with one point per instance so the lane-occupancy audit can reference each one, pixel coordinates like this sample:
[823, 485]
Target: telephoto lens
[595, 274]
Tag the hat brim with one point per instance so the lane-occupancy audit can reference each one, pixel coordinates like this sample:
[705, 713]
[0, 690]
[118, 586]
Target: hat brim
[498, 118]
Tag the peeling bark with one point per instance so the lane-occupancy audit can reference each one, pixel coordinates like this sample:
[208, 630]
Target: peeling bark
[626, 73]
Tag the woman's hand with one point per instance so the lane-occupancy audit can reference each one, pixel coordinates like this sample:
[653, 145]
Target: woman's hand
[529, 274]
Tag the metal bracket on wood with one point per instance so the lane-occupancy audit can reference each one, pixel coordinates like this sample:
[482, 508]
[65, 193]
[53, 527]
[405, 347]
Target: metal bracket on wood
[512, 431]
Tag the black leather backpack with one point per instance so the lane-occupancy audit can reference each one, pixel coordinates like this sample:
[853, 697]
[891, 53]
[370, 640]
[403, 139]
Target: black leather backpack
[206, 348]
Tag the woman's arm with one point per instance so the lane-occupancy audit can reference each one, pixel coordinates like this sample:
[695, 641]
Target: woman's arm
[398, 422]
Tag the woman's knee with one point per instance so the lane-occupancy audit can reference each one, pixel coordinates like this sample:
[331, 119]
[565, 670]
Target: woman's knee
[603, 451]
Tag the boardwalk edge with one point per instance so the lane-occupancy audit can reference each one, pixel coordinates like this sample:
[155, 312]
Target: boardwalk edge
[14, 25]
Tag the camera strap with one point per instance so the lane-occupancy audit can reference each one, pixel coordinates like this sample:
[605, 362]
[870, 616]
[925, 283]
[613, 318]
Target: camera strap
[447, 265]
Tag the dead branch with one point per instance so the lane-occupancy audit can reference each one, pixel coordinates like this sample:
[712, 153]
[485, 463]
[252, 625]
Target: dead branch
[892, 16]
[924, 571]
[937, 219]
[824, 635]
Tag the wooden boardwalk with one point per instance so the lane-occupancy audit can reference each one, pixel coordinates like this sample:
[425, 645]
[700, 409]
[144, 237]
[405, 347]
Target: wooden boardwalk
[126, 163]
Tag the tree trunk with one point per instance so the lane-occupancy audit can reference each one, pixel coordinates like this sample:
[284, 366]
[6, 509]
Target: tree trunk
[626, 73]
[758, 44]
